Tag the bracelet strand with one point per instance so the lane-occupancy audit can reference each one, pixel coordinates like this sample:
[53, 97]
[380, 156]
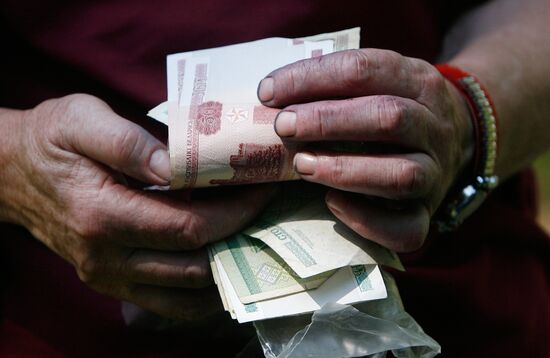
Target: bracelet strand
[485, 124]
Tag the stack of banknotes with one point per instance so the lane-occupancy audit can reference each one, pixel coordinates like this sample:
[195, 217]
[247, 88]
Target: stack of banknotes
[297, 256]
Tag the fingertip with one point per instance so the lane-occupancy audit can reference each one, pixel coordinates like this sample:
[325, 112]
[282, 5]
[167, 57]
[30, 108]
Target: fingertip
[400, 230]
[266, 90]
[305, 164]
[285, 124]
[159, 164]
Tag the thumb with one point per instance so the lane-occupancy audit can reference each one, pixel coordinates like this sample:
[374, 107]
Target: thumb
[97, 132]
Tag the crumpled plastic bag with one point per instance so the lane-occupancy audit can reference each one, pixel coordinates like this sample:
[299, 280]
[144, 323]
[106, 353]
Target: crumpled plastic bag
[369, 329]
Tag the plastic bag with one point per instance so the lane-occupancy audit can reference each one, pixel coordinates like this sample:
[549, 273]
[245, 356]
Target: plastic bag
[368, 329]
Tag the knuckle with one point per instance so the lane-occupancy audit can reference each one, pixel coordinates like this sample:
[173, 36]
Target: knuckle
[79, 99]
[357, 65]
[60, 110]
[89, 223]
[409, 179]
[66, 113]
[292, 80]
[338, 173]
[191, 232]
[89, 268]
[433, 81]
[75, 104]
[127, 143]
[392, 60]
[322, 118]
[196, 276]
[393, 116]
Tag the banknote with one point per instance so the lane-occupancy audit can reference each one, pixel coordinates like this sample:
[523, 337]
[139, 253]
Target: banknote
[257, 273]
[297, 256]
[219, 133]
[347, 285]
[342, 40]
[216, 276]
[244, 150]
[338, 41]
[160, 113]
[239, 263]
[301, 229]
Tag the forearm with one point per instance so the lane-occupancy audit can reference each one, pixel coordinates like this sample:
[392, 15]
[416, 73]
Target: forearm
[505, 44]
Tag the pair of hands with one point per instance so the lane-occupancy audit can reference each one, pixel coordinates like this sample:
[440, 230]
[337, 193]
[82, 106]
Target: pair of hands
[63, 162]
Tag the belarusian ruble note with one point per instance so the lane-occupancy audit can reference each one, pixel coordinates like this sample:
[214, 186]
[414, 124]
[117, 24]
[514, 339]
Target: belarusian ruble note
[219, 133]
[160, 113]
[257, 273]
[348, 285]
[343, 40]
[216, 276]
[310, 239]
[228, 144]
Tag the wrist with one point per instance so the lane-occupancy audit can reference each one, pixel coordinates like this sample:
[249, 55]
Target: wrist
[467, 135]
[10, 173]
[474, 189]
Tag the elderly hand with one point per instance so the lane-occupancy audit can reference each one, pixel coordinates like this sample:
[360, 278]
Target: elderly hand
[61, 164]
[414, 127]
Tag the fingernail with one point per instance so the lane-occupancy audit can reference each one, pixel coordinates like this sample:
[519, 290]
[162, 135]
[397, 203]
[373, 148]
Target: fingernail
[285, 124]
[160, 164]
[265, 90]
[305, 163]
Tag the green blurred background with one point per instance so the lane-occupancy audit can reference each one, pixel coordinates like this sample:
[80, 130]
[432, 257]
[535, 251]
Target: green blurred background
[542, 167]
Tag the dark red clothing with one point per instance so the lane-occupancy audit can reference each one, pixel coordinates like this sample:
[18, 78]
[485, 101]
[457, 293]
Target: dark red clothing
[483, 290]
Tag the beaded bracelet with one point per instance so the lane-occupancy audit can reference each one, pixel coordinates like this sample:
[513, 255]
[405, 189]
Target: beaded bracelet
[484, 120]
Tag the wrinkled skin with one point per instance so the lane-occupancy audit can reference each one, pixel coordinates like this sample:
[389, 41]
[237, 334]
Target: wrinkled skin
[413, 124]
[64, 184]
